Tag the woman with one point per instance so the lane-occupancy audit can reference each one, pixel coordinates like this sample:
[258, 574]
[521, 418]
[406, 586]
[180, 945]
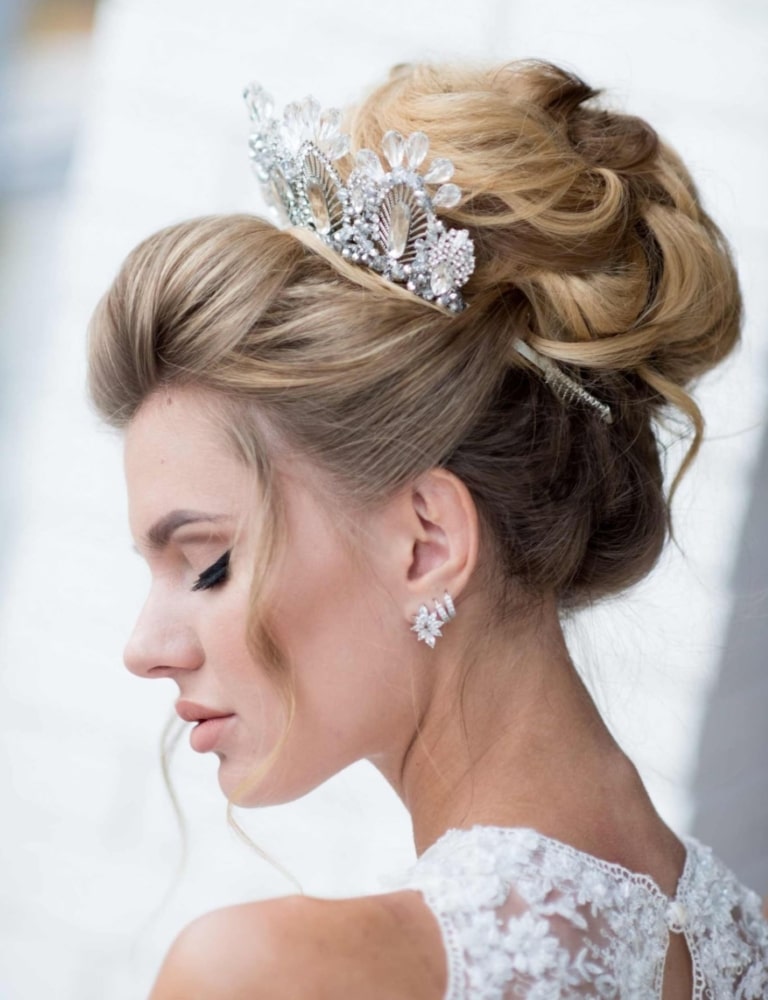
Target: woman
[371, 462]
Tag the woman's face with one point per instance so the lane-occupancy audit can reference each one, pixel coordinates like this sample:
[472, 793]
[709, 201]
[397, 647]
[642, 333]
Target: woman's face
[346, 638]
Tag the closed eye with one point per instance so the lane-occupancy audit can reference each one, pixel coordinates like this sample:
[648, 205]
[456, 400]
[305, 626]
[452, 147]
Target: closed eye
[214, 575]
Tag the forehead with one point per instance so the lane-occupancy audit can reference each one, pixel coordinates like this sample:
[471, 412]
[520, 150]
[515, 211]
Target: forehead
[177, 456]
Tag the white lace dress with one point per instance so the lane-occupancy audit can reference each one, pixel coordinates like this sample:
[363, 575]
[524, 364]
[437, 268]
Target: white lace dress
[525, 916]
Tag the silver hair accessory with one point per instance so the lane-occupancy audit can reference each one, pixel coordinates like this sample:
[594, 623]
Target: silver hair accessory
[383, 219]
[562, 385]
[428, 624]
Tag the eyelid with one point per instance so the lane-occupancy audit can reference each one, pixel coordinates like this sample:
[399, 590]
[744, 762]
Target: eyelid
[215, 573]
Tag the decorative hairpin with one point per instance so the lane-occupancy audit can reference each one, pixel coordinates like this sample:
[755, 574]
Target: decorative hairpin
[383, 219]
[563, 385]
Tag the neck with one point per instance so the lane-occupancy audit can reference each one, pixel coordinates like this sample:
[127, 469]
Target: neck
[523, 745]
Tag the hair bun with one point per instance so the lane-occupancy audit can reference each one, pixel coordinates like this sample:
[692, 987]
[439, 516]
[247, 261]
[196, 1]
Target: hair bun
[581, 211]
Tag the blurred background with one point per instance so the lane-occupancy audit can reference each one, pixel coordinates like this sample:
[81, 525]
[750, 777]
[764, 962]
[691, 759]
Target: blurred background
[119, 117]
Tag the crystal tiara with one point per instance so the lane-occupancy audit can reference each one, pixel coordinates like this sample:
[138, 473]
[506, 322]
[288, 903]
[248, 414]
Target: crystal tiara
[383, 219]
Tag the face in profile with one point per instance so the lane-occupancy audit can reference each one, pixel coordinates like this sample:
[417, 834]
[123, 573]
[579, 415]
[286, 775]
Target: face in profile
[193, 509]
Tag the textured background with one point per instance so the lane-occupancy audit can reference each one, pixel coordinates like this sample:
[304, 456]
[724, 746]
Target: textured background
[110, 130]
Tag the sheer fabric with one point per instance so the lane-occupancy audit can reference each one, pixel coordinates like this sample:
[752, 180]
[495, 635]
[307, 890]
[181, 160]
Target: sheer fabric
[525, 916]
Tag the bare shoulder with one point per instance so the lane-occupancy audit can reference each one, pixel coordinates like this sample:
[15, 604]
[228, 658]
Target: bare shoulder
[385, 947]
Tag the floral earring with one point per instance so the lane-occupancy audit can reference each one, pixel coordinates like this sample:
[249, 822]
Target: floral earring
[427, 624]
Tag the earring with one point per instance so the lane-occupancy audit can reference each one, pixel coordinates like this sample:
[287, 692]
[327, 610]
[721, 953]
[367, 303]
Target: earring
[427, 624]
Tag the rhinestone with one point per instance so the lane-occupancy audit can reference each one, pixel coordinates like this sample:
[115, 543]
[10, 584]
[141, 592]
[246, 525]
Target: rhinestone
[318, 207]
[399, 227]
[393, 145]
[441, 280]
[440, 170]
[358, 199]
[448, 196]
[416, 149]
[281, 188]
[260, 170]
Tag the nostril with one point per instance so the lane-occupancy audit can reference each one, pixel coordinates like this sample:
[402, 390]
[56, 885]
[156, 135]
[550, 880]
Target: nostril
[162, 652]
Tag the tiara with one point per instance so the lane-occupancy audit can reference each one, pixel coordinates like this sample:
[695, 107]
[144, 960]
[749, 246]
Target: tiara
[383, 219]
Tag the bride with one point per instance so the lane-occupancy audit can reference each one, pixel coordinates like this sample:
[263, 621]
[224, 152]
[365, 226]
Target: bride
[372, 460]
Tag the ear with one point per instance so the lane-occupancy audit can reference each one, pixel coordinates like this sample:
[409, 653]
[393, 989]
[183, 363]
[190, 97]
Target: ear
[444, 531]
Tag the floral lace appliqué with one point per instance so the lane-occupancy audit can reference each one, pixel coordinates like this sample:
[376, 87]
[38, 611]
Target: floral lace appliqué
[525, 917]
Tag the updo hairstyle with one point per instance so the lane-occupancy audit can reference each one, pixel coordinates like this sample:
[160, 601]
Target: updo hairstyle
[591, 244]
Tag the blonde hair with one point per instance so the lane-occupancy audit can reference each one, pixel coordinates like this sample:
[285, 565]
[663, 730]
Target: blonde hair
[591, 244]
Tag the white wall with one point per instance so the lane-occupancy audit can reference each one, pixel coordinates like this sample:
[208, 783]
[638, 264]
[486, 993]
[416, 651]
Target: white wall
[89, 840]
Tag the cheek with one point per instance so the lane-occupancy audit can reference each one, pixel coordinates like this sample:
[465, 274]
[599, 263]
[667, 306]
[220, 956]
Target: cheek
[224, 637]
[320, 605]
[341, 634]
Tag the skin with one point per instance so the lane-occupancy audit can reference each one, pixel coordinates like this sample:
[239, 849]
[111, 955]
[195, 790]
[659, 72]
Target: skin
[530, 750]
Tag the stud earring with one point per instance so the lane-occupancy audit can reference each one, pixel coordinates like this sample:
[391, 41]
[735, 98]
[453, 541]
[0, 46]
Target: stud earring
[428, 624]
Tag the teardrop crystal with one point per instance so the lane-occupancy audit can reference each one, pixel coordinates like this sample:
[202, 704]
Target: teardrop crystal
[293, 126]
[259, 102]
[321, 187]
[399, 226]
[310, 115]
[448, 196]
[416, 149]
[440, 171]
[328, 124]
[368, 161]
[393, 145]
[402, 223]
[318, 206]
[441, 279]
[337, 147]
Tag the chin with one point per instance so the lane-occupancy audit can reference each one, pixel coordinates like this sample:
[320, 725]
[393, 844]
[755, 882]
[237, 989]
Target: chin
[250, 789]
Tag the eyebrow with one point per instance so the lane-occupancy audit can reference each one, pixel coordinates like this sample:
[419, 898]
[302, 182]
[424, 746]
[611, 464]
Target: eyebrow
[158, 536]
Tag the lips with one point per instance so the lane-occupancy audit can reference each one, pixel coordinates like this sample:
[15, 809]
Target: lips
[211, 724]
[190, 711]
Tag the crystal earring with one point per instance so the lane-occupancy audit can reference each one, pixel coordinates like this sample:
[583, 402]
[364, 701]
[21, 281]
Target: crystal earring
[428, 624]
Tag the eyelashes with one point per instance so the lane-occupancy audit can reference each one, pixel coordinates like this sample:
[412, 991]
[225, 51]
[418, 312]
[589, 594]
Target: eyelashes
[214, 575]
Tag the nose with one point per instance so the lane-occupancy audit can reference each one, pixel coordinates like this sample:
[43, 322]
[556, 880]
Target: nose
[161, 643]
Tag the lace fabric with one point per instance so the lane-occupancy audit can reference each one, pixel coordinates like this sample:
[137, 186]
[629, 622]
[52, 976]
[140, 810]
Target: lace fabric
[526, 917]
